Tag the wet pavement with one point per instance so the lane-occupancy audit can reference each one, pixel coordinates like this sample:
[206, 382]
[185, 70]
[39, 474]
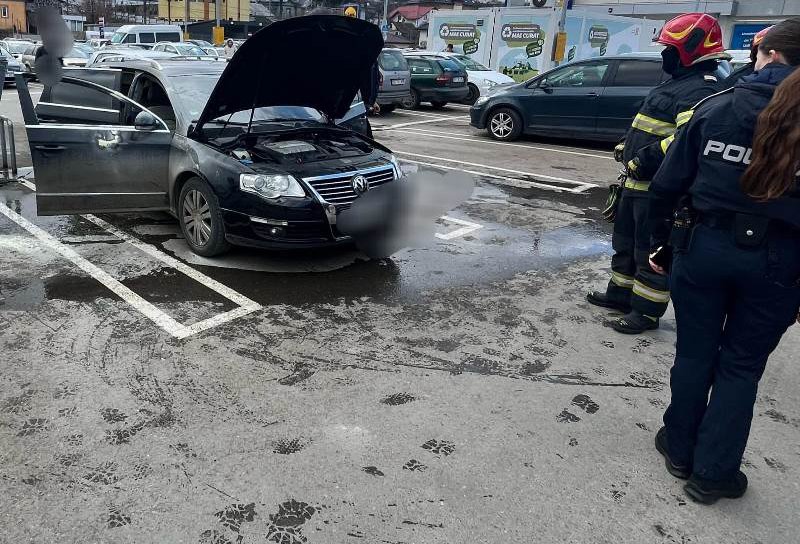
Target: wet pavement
[459, 392]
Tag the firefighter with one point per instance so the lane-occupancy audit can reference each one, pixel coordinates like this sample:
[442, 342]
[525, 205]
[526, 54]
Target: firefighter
[693, 48]
[735, 274]
[747, 69]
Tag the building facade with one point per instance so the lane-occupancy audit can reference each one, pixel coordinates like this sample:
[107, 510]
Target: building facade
[13, 18]
[740, 19]
[203, 10]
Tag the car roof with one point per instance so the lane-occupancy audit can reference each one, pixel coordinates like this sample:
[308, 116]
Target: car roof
[172, 66]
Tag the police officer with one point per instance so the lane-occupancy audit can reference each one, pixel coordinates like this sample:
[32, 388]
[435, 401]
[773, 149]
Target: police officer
[747, 69]
[693, 46]
[735, 277]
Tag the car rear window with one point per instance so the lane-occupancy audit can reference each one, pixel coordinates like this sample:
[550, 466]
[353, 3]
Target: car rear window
[450, 65]
[168, 37]
[392, 61]
[638, 73]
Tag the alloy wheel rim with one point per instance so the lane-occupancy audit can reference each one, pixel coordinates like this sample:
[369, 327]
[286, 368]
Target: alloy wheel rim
[197, 217]
[502, 125]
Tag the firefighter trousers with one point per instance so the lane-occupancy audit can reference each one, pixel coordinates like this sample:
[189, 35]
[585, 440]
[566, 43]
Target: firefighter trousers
[632, 281]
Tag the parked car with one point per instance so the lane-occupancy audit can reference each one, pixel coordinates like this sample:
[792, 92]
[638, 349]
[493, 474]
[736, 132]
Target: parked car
[593, 99]
[16, 47]
[215, 52]
[13, 67]
[97, 43]
[480, 79]
[239, 156]
[74, 57]
[146, 34]
[200, 43]
[120, 54]
[180, 48]
[435, 80]
[395, 80]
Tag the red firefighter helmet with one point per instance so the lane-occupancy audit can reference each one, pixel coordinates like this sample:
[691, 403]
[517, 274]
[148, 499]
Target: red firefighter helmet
[758, 38]
[696, 36]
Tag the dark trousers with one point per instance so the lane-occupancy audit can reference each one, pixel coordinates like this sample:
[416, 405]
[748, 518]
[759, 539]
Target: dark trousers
[632, 281]
[732, 306]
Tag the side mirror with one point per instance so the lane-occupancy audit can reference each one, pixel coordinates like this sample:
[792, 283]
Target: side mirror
[543, 85]
[146, 121]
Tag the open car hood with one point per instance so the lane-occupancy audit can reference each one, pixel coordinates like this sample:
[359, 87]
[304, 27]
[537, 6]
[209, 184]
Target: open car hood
[317, 61]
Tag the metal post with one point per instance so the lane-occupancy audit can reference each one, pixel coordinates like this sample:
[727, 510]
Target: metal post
[3, 143]
[217, 8]
[385, 15]
[562, 19]
[185, 18]
[12, 147]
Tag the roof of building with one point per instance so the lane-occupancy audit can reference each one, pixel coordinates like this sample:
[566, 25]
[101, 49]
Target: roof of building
[411, 12]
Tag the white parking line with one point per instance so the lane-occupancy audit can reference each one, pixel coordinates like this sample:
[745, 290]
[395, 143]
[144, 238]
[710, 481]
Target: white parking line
[411, 123]
[513, 182]
[160, 318]
[424, 114]
[581, 185]
[463, 138]
[468, 226]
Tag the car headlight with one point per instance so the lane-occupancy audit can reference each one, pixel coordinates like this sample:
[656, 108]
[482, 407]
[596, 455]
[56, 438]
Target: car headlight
[270, 186]
[481, 100]
[397, 172]
[490, 83]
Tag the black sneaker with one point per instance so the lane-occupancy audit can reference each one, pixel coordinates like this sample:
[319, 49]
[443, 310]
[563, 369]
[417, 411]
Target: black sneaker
[710, 491]
[679, 471]
[634, 323]
[602, 299]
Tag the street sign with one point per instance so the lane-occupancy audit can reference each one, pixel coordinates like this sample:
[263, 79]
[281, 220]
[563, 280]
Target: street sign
[385, 27]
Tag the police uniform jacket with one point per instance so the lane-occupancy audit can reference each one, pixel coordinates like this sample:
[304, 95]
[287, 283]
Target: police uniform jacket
[712, 151]
[666, 108]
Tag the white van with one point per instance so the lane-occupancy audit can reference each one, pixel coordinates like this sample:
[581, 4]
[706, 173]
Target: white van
[146, 34]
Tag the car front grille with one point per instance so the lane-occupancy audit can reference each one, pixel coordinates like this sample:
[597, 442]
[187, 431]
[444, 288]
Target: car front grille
[337, 189]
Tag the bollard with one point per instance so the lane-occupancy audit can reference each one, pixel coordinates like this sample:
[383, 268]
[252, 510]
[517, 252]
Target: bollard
[3, 142]
[12, 148]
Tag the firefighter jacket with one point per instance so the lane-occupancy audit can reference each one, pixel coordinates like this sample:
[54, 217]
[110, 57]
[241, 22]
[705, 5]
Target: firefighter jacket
[711, 153]
[666, 108]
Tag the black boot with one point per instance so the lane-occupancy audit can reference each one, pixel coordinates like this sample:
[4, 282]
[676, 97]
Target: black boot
[710, 491]
[601, 299]
[679, 471]
[634, 323]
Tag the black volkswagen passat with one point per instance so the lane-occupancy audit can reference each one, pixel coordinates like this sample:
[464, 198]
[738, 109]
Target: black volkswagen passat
[258, 151]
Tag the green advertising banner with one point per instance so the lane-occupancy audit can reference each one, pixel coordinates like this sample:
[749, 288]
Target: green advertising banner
[522, 41]
[457, 33]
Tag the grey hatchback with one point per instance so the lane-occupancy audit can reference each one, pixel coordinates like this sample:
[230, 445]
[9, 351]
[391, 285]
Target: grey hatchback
[593, 99]
[395, 80]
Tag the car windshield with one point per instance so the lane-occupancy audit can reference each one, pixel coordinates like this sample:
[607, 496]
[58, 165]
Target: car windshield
[188, 49]
[194, 91]
[18, 47]
[118, 37]
[392, 61]
[76, 53]
[471, 64]
[450, 65]
[6, 55]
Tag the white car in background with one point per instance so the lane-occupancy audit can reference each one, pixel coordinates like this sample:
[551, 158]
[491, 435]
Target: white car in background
[480, 79]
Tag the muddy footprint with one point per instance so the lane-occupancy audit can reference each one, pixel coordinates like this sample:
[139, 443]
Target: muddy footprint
[585, 403]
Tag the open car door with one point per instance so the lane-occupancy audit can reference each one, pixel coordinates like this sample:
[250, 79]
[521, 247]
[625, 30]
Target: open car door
[95, 150]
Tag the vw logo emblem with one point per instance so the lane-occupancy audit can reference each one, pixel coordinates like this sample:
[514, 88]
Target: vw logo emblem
[360, 185]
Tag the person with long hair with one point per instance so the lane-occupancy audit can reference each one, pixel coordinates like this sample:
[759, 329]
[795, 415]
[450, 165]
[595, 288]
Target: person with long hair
[727, 197]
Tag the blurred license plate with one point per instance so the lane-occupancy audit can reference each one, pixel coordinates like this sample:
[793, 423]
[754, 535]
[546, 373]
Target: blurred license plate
[458, 80]
[398, 82]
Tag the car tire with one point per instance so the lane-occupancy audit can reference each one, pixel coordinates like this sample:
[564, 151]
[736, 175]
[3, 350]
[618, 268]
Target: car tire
[389, 108]
[438, 105]
[474, 93]
[504, 124]
[412, 101]
[200, 217]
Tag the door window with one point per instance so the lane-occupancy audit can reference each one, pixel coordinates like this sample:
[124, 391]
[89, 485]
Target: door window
[129, 38]
[638, 73]
[168, 37]
[582, 75]
[147, 37]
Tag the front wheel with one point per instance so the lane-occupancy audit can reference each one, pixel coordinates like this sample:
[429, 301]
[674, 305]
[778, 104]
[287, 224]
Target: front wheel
[504, 124]
[201, 219]
[474, 93]
[411, 101]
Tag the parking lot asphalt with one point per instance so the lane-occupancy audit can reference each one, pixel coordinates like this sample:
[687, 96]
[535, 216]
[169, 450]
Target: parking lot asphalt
[463, 391]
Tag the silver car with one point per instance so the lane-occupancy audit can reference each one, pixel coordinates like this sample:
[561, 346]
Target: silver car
[395, 80]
